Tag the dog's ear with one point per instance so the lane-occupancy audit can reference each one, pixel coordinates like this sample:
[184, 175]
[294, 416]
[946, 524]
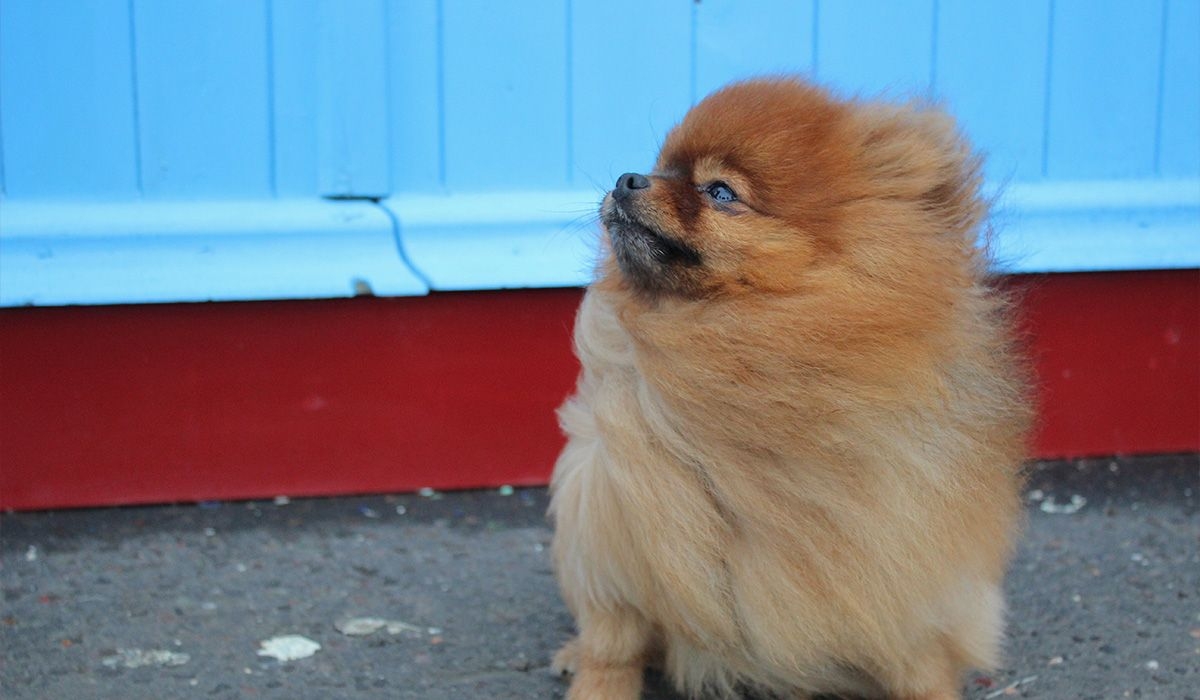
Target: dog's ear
[915, 153]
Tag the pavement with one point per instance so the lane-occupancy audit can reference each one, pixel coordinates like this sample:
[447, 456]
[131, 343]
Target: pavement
[443, 596]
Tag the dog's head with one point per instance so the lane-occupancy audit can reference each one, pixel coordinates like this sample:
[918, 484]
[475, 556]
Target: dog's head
[766, 181]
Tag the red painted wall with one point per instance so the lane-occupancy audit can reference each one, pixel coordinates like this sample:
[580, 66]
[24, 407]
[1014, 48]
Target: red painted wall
[215, 401]
[134, 404]
[1118, 361]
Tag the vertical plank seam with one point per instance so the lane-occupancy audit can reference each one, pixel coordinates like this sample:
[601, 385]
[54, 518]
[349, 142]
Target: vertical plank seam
[570, 91]
[3, 180]
[1047, 91]
[272, 179]
[137, 103]
[1159, 98]
[389, 114]
[441, 92]
[933, 49]
[692, 57]
[816, 37]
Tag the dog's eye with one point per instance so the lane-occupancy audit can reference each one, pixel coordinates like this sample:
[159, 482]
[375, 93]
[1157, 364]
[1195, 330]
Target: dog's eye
[721, 192]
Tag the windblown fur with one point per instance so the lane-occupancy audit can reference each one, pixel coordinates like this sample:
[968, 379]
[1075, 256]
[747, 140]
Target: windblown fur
[793, 453]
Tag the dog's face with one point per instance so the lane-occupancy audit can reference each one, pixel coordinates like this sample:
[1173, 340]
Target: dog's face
[743, 196]
[765, 182]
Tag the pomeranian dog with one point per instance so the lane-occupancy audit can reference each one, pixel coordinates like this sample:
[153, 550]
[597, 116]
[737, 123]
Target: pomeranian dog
[793, 458]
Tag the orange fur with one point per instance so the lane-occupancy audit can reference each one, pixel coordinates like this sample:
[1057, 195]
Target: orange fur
[794, 450]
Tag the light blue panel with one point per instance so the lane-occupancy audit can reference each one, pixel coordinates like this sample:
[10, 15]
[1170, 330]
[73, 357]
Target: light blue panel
[352, 99]
[1179, 145]
[66, 102]
[103, 253]
[414, 94]
[1, 141]
[294, 41]
[872, 46]
[745, 38]
[203, 97]
[329, 99]
[629, 85]
[1104, 78]
[551, 238]
[1098, 225]
[505, 102]
[991, 71]
[495, 240]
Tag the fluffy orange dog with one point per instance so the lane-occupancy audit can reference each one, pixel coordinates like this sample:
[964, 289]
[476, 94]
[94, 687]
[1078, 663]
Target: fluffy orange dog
[794, 449]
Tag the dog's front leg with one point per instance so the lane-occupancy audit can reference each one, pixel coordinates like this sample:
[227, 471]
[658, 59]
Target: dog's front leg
[608, 656]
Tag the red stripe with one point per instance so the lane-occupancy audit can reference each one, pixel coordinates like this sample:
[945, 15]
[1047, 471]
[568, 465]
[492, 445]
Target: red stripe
[134, 404]
[1118, 361]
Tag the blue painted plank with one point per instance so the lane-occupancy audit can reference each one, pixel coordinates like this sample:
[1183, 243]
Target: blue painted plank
[66, 99]
[168, 251]
[352, 99]
[738, 39]
[1104, 77]
[203, 98]
[873, 46]
[414, 94]
[991, 71]
[629, 85]
[330, 110]
[294, 34]
[1179, 145]
[505, 104]
[1, 139]
[497, 240]
[1095, 225]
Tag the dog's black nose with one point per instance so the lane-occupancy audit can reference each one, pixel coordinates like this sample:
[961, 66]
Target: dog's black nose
[632, 181]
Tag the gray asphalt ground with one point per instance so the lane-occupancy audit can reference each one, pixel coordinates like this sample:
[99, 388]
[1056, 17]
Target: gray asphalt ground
[175, 601]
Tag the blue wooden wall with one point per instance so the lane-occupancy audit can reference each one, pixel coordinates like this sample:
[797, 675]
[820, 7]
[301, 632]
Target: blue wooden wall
[165, 150]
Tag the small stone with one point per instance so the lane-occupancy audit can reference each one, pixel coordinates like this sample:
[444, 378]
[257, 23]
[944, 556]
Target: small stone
[288, 647]
[138, 658]
[364, 626]
[31, 554]
[1152, 665]
[359, 626]
[506, 490]
[1073, 506]
[282, 500]
[1056, 661]
[401, 510]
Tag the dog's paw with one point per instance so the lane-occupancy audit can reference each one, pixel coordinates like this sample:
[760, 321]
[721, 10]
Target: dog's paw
[567, 659]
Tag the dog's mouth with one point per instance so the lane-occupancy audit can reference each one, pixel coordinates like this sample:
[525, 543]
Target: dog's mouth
[638, 246]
